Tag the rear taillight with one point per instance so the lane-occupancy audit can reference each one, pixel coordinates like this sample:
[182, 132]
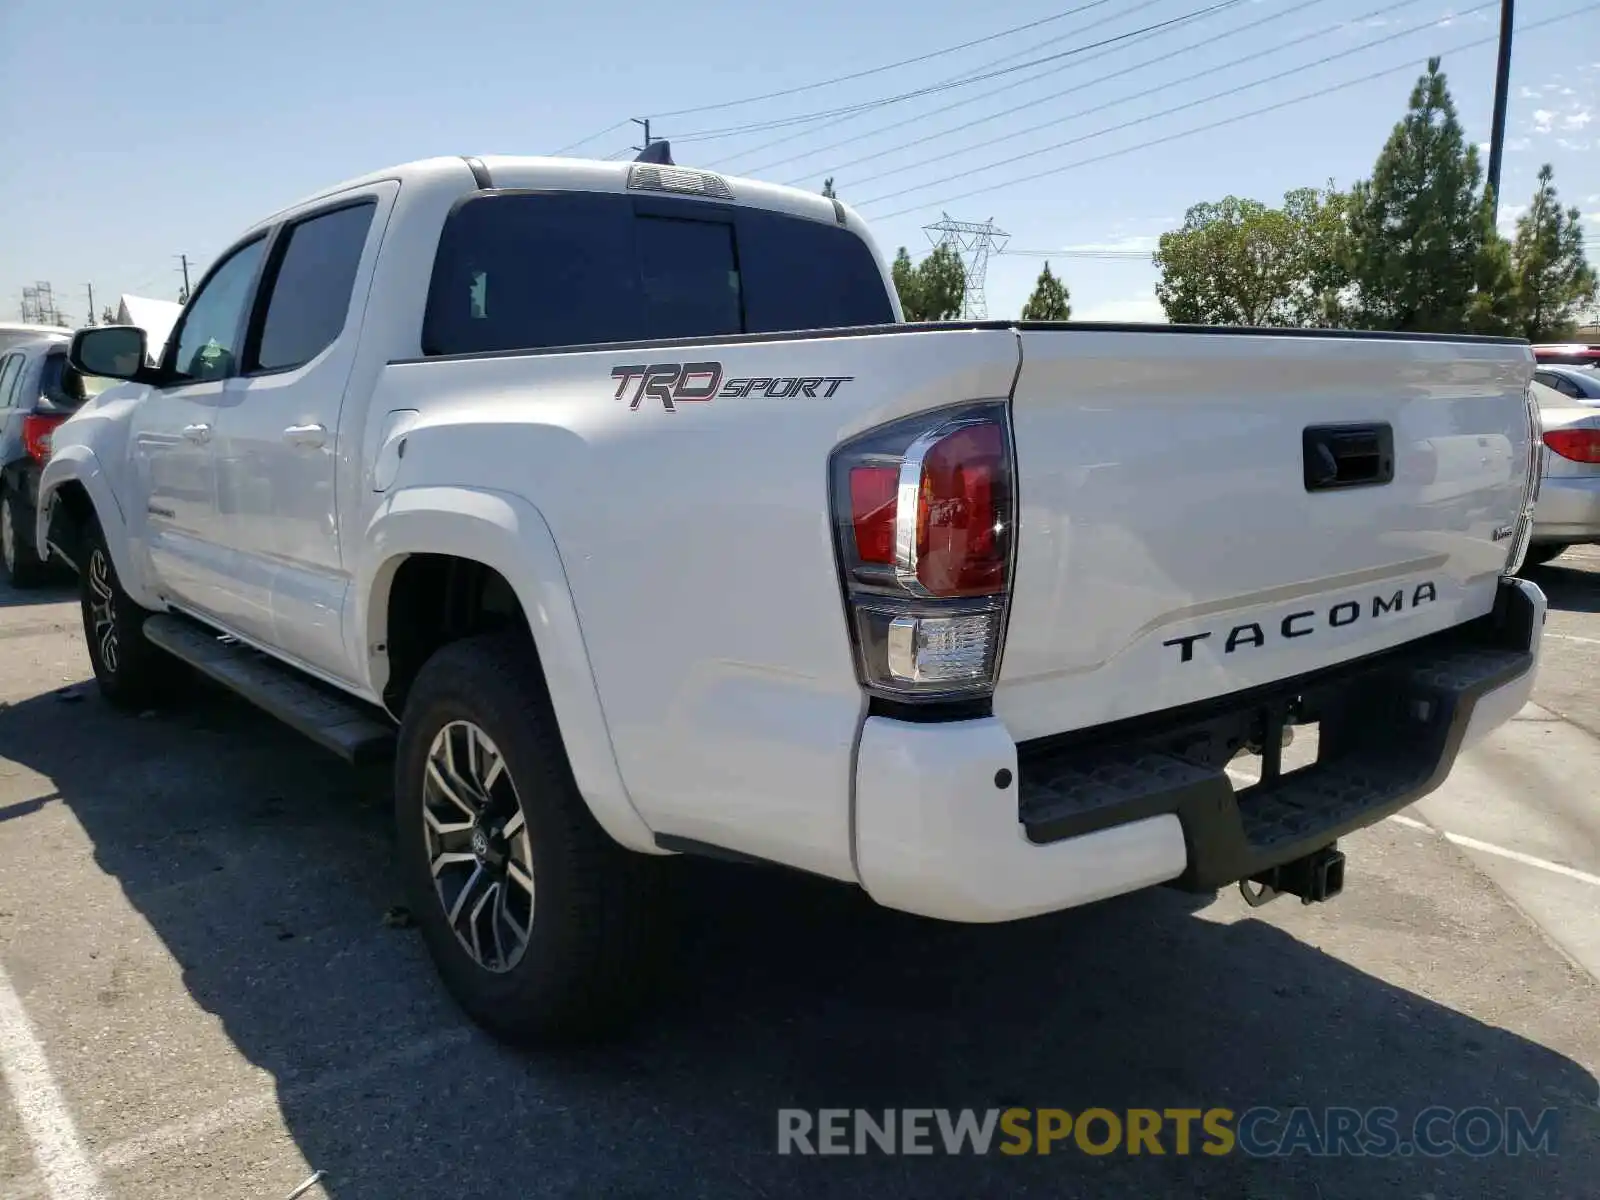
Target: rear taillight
[37, 432]
[1579, 445]
[1533, 473]
[924, 518]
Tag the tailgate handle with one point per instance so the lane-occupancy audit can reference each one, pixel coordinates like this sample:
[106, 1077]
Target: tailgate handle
[1346, 456]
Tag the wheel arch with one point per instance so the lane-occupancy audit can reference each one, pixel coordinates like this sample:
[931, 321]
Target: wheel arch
[504, 534]
[74, 482]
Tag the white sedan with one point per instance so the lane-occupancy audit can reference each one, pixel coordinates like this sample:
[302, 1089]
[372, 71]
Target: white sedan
[1568, 509]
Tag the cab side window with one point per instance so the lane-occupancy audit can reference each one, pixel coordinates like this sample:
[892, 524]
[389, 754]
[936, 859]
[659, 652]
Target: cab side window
[310, 285]
[208, 339]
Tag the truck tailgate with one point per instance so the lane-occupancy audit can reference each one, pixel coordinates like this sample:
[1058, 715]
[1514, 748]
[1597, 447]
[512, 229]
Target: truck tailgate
[1173, 544]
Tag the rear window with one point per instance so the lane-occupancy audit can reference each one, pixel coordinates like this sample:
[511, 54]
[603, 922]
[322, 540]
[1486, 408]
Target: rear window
[527, 270]
[66, 387]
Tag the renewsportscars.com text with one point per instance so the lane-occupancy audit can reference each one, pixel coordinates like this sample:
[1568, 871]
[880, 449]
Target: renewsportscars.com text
[1259, 1132]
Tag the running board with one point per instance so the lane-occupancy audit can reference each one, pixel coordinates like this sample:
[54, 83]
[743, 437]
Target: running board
[332, 720]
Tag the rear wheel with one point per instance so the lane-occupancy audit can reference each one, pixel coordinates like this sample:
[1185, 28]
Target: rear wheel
[133, 673]
[23, 567]
[541, 926]
[1544, 552]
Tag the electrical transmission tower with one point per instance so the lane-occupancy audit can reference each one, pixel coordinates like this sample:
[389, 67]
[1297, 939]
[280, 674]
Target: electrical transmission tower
[39, 305]
[972, 244]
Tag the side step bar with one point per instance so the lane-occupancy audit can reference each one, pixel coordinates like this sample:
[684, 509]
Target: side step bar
[334, 721]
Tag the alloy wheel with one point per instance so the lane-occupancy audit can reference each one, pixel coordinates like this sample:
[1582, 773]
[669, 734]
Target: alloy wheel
[101, 609]
[477, 844]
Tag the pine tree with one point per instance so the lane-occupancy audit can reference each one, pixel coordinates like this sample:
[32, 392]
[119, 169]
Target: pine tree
[905, 285]
[1050, 300]
[1416, 226]
[934, 289]
[1554, 281]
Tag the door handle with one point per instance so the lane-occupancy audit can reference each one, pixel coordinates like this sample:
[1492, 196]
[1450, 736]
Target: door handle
[310, 436]
[197, 433]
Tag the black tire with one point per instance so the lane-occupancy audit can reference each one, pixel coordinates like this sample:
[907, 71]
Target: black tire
[18, 555]
[593, 938]
[133, 673]
[1542, 553]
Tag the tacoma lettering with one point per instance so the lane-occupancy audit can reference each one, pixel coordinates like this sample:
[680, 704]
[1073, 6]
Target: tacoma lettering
[1307, 623]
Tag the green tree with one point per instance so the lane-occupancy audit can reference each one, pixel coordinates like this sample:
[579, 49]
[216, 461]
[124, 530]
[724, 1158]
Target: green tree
[934, 289]
[827, 188]
[1554, 282]
[1050, 300]
[1321, 219]
[906, 284]
[1240, 262]
[1417, 229]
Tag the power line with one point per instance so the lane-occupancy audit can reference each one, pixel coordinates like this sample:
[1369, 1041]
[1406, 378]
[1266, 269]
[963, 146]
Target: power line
[1128, 70]
[904, 62]
[957, 79]
[962, 81]
[590, 138]
[1012, 86]
[1152, 116]
[1255, 112]
[1164, 112]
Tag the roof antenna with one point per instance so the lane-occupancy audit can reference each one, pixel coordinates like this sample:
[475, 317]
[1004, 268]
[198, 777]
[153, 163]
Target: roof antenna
[654, 150]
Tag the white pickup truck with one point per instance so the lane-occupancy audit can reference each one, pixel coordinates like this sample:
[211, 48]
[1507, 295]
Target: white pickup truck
[616, 502]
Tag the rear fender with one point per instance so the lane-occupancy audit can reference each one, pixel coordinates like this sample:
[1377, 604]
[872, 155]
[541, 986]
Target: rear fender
[510, 535]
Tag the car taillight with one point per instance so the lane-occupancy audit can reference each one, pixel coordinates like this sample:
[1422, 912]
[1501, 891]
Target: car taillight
[1579, 445]
[924, 516]
[37, 432]
[1533, 474]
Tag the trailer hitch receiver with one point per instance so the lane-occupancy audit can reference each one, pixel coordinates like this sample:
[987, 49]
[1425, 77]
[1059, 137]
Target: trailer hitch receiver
[1317, 876]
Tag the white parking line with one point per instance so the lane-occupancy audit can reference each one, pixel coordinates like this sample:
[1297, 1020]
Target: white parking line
[60, 1156]
[1526, 860]
[1572, 637]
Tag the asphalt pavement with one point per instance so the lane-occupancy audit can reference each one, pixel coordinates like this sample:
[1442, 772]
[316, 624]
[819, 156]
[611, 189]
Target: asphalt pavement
[200, 993]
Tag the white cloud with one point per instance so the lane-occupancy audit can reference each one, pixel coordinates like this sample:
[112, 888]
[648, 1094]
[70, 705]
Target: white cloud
[1515, 144]
[1543, 119]
[1569, 144]
[1142, 309]
[1577, 119]
[1527, 93]
[1594, 199]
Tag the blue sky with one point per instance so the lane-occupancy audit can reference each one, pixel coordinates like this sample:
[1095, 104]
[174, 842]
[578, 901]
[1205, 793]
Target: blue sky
[134, 132]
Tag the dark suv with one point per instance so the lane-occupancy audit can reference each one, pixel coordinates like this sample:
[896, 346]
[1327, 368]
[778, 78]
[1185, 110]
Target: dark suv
[38, 391]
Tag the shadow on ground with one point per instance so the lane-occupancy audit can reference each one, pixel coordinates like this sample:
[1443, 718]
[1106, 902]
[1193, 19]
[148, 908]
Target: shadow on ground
[264, 868]
[1569, 584]
[52, 593]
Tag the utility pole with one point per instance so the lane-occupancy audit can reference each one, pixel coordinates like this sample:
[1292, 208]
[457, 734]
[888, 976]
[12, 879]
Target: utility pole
[184, 259]
[90, 286]
[646, 123]
[1502, 84]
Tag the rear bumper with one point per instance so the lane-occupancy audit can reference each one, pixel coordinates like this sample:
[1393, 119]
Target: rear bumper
[957, 821]
[1568, 509]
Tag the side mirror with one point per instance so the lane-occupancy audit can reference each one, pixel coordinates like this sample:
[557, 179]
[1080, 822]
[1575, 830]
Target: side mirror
[110, 351]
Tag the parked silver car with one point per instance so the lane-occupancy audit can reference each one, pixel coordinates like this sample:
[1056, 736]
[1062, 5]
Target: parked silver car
[1580, 383]
[1568, 510]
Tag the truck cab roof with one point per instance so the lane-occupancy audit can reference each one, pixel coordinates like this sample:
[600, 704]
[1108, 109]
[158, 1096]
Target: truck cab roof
[540, 173]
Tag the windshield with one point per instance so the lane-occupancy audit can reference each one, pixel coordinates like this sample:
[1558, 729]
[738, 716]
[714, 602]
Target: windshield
[62, 385]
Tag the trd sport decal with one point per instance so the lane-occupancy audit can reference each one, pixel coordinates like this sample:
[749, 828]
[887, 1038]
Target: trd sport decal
[679, 383]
